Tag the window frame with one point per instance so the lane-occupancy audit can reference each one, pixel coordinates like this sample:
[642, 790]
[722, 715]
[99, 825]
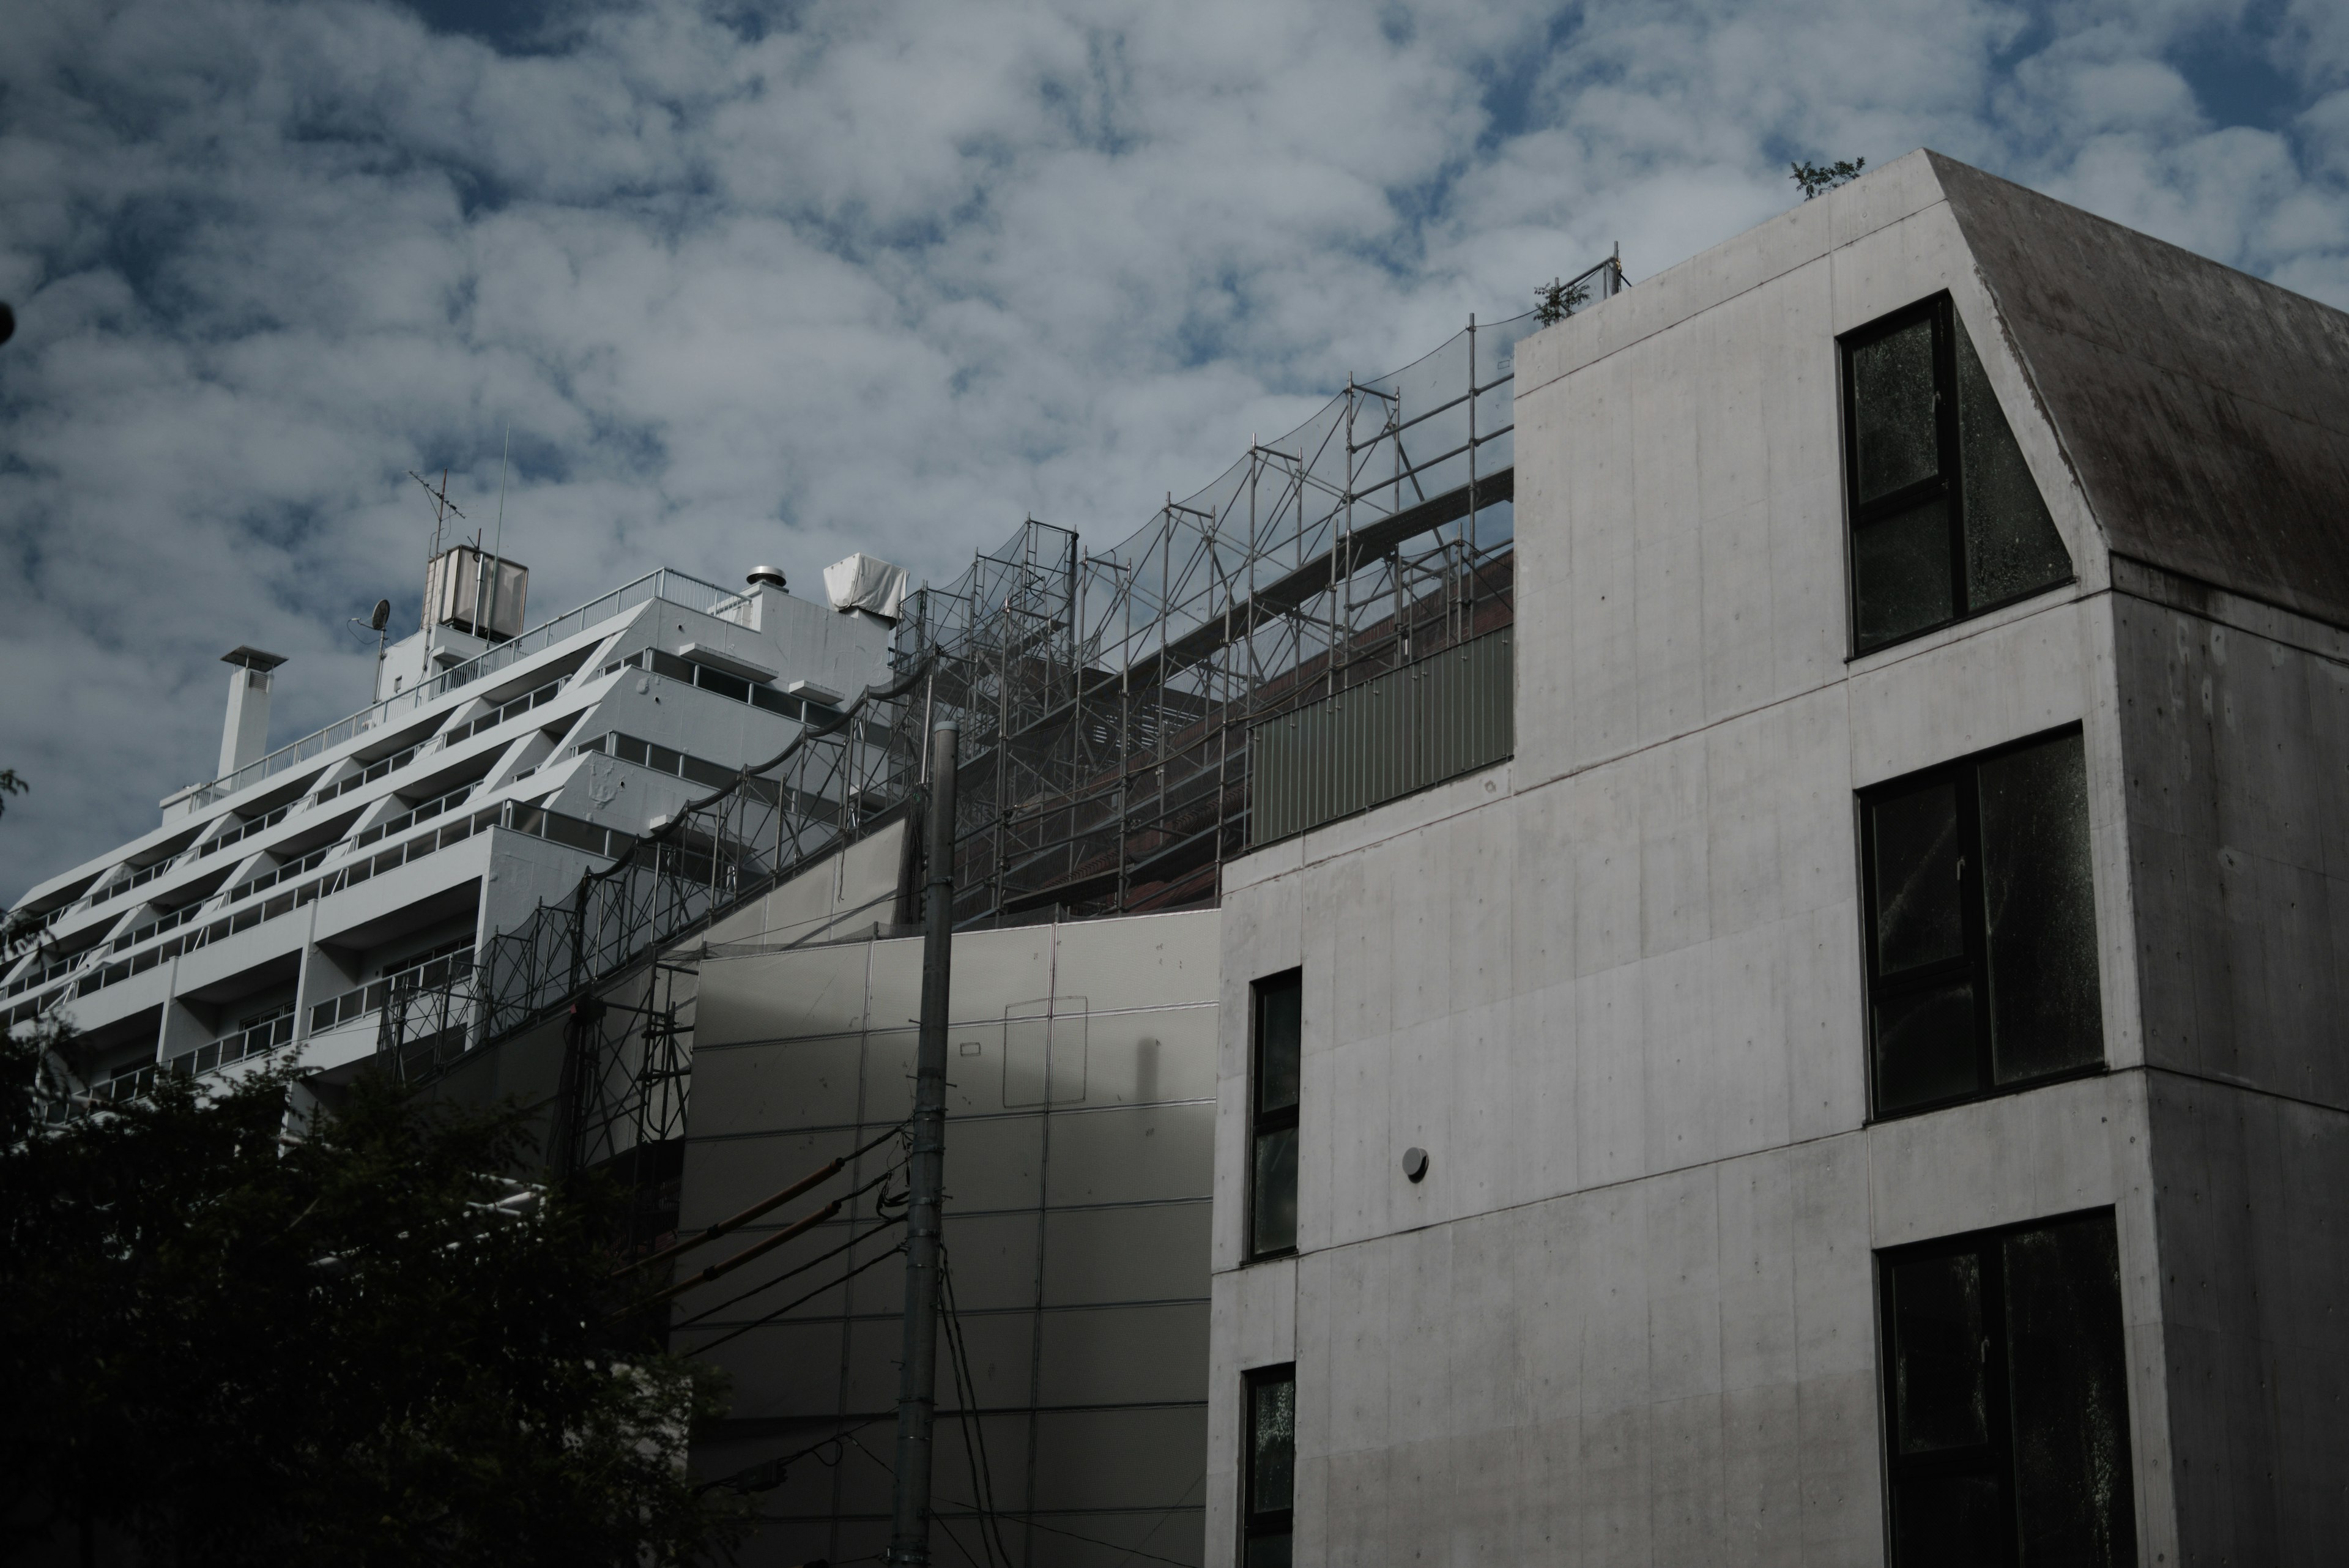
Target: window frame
[1973, 963]
[1998, 1451]
[1261, 1122]
[1949, 482]
[1257, 1524]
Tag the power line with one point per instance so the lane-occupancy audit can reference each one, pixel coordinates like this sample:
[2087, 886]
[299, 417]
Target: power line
[775, 1467]
[779, 1279]
[763, 1321]
[982, 1478]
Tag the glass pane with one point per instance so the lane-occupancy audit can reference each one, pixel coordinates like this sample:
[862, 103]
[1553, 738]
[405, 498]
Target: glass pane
[2040, 901]
[1272, 1446]
[1892, 410]
[2068, 1374]
[1920, 910]
[2012, 546]
[1950, 1522]
[1280, 1020]
[1900, 573]
[1268, 1551]
[1939, 1388]
[1925, 1047]
[1273, 1216]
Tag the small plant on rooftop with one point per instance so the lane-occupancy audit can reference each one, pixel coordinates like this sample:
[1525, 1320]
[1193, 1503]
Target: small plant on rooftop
[1556, 300]
[1815, 179]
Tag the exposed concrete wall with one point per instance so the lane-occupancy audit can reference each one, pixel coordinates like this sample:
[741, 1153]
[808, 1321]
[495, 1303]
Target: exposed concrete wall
[1615, 987]
[2236, 732]
[2237, 752]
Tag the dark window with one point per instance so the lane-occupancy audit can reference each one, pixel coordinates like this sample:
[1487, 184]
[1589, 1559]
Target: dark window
[1272, 1113]
[2006, 1398]
[1268, 1479]
[1945, 519]
[1981, 926]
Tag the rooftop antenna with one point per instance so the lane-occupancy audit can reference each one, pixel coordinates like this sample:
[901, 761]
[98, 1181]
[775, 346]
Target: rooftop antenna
[442, 509]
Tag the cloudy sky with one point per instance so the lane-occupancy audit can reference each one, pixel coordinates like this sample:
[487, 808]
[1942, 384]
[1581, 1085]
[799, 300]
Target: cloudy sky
[753, 281]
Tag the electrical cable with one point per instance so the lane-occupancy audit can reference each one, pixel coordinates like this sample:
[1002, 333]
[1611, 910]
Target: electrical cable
[790, 1460]
[982, 1480]
[779, 1279]
[965, 1401]
[763, 1321]
[798, 1228]
[820, 1174]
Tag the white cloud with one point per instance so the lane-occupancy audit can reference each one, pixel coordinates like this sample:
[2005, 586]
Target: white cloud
[880, 275]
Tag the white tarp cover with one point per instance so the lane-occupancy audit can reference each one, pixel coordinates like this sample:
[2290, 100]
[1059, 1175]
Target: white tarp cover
[866, 582]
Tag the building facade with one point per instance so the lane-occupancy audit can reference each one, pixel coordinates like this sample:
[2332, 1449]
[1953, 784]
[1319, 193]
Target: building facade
[1744, 965]
[287, 901]
[1863, 1083]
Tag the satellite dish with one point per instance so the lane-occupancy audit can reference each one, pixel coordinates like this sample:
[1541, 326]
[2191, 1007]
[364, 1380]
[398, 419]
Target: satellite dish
[382, 616]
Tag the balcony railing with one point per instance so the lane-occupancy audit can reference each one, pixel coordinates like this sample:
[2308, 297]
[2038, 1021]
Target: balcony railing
[431, 972]
[367, 774]
[258, 1040]
[258, 824]
[537, 821]
[677, 588]
[437, 807]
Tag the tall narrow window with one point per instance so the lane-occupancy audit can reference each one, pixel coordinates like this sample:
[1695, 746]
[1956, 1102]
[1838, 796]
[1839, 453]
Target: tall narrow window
[1981, 926]
[2006, 1398]
[1946, 521]
[1272, 1113]
[1269, 1481]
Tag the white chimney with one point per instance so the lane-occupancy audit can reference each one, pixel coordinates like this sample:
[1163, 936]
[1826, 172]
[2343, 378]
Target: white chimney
[245, 737]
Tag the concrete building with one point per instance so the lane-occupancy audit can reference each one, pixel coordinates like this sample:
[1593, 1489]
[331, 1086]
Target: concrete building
[1711, 934]
[1872, 1058]
[285, 900]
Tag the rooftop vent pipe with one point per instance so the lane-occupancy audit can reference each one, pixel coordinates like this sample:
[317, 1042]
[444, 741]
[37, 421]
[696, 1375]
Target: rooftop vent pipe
[245, 736]
[768, 575]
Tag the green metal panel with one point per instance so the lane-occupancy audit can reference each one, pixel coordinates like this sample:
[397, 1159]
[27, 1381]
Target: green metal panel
[1446, 715]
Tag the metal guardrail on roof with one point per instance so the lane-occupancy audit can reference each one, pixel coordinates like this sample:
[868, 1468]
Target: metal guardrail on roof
[665, 583]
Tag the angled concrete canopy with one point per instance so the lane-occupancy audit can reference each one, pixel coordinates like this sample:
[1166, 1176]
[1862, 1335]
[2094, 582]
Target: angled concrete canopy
[2205, 412]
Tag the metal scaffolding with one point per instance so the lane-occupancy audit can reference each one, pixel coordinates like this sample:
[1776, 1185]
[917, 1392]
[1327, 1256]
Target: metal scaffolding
[1106, 702]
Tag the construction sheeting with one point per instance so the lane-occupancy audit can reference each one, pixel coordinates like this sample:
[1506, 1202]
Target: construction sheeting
[866, 582]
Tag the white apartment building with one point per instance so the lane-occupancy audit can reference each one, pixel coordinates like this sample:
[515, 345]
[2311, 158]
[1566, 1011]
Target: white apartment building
[281, 902]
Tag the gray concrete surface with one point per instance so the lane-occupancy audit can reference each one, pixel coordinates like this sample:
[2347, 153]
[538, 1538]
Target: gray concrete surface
[1614, 987]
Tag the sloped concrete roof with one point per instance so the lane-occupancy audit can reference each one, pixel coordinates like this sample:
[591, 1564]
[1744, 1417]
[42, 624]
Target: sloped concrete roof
[2205, 412]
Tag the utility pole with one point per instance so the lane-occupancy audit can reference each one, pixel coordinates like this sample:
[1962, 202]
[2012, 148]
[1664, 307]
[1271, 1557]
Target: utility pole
[918, 1370]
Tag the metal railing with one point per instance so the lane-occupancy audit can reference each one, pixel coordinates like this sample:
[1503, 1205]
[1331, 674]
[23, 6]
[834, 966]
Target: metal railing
[512, 707]
[537, 821]
[665, 583]
[257, 1040]
[368, 774]
[437, 807]
[432, 970]
[243, 831]
[139, 878]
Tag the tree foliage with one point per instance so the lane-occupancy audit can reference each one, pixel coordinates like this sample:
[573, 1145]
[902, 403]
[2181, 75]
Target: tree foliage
[1557, 299]
[1815, 179]
[230, 1343]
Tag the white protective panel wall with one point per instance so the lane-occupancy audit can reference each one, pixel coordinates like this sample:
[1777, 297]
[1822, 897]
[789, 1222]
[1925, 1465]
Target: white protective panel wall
[1078, 1175]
